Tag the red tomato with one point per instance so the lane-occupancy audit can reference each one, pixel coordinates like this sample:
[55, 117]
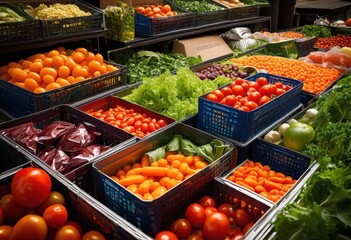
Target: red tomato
[212, 97]
[5, 232]
[161, 123]
[251, 105]
[53, 198]
[12, 210]
[68, 232]
[238, 90]
[195, 237]
[166, 235]
[31, 186]
[234, 231]
[216, 226]
[262, 81]
[207, 201]
[241, 217]
[76, 225]
[238, 81]
[267, 90]
[55, 215]
[278, 84]
[244, 108]
[210, 210]
[93, 235]
[243, 101]
[286, 87]
[238, 236]
[152, 127]
[263, 100]
[1, 215]
[145, 127]
[255, 85]
[181, 227]
[196, 215]
[230, 100]
[245, 86]
[254, 96]
[226, 91]
[219, 94]
[227, 209]
[251, 89]
[29, 227]
[248, 227]
[279, 91]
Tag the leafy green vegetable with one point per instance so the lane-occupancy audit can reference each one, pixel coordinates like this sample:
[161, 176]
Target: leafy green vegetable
[144, 64]
[198, 6]
[174, 95]
[211, 151]
[316, 31]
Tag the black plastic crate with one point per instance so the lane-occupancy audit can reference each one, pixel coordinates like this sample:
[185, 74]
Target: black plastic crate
[19, 102]
[24, 31]
[65, 27]
[243, 13]
[87, 212]
[146, 26]
[153, 215]
[305, 46]
[110, 136]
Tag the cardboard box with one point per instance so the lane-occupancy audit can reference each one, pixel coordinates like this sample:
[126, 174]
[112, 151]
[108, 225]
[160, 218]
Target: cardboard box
[208, 47]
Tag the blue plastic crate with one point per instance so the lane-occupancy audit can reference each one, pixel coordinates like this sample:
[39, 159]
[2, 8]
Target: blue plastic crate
[19, 102]
[279, 159]
[153, 216]
[225, 121]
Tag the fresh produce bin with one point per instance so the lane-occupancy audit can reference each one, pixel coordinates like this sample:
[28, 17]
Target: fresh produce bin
[23, 31]
[305, 45]
[240, 126]
[243, 13]
[152, 216]
[74, 26]
[283, 49]
[205, 18]
[19, 102]
[109, 102]
[146, 26]
[110, 136]
[279, 159]
[88, 213]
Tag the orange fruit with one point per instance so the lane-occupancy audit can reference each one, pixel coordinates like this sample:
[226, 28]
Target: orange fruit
[20, 84]
[62, 82]
[39, 90]
[36, 57]
[78, 57]
[18, 74]
[36, 67]
[94, 66]
[80, 72]
[26, 63]
[70, 63]
[64, 71]
[35, 76]
[99, 58]
[30, 84]
[166, 8]
[71, 79]
[89, 56]
[47, 79]
[82, 50]
[52, 86]
[53, 53]
[14, 65]
[47, 62]
[48, 71]
[57, 61]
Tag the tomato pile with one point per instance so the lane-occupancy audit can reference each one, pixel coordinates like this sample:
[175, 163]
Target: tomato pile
[262, 180]
[129, 120]
[206, 220]
[153, 11]
[33, 211]
[329, 42]
[248, 95]
[150, 180]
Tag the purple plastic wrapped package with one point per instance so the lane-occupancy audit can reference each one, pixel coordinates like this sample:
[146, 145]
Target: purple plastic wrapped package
[78, 139]
[54, 131]
[25, 135]
[56, 159]
[87, 154]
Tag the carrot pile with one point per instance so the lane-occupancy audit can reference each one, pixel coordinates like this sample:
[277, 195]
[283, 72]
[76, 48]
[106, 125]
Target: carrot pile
[287, 34]
[150, 180]
[315, 78]
[262, 180]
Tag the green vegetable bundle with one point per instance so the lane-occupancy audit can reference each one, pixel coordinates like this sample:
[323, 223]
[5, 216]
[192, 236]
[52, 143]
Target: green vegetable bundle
[176, 95]
[120, 22]
[198, 6]
[316, 31]
[7, 15]
[144, 64]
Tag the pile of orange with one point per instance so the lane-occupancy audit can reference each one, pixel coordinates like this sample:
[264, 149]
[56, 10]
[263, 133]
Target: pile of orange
[156, 11]
[55, 69]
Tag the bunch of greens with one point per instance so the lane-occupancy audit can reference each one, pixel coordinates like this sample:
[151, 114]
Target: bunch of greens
[316, 31]
[210, 151]
[151, 64]
[174, 95]
[323, 209]
[198, 6]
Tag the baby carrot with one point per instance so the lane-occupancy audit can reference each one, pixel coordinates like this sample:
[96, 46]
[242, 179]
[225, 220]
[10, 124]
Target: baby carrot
[277, 179]
[159, 191]
[260, 188]
[145, 161]
[154, 171]
[134, 171]
[132, 179]
[245, 185]
[269, 185]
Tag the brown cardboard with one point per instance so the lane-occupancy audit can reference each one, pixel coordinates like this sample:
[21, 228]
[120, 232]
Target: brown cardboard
[105, 3]
[208, 47]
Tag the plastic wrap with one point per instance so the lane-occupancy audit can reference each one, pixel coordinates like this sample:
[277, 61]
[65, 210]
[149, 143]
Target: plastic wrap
[239, 38]
[53, 132]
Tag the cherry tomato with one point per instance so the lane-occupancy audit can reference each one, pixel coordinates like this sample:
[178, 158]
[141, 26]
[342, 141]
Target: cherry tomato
[267, 90]
[152, 127]
[230, 100]
[207, 201]
[67, 232]
[238, 90]
[251, 105]
[55, 215]
[181, 227]
[263, 100]
[212, 97]
[5, 232]
[166, 235]
[219, 94]
[226, 91]
[161, 123]
[53, 198]
[145, 127]
[245, 86]
[255, 85]
[278, 84]
[216, 226]
[196, 215]
[30, 186]
[262, 81]
[12, 210]
[238, 81]
[210, 210]
[248, 227]
[227, 209]
[76, 225]
[254, 96]
[241, 217]
[29, 227]
[93, 235]
[279, 91]
[195, 237]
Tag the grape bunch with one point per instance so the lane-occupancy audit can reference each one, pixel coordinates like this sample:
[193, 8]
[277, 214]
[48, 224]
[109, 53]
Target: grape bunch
[227, 70]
